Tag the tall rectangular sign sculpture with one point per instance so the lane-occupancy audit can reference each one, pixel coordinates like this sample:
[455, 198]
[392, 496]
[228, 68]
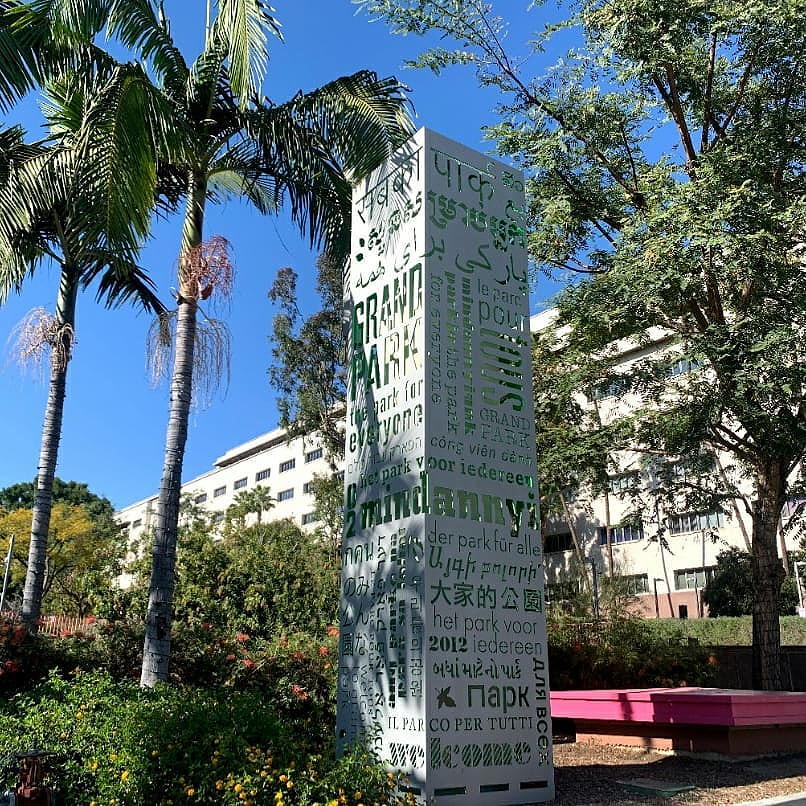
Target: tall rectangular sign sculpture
[442, 660]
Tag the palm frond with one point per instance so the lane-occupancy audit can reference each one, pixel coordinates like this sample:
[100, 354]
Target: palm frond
[242, 27]
[121, 281]
[69, 21]
[364, 118]
[118, 155]
[240, 172]
[145, 29]
[46, 39]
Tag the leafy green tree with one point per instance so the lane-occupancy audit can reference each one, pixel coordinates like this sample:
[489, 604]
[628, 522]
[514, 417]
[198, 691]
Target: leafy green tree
[261, 579]
[664, 157]
[84, 554]
[730, 592]
[328, 493]
[56, 207]
[75, 493]
[310, 353]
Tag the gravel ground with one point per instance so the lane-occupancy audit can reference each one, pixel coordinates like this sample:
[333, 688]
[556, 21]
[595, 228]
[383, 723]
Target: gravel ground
[587, 773]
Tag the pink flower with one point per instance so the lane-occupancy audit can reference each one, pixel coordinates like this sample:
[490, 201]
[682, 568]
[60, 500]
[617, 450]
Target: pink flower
[249, 663]
[300, 693]
[332, 631]
[323, 651]
[242, 637]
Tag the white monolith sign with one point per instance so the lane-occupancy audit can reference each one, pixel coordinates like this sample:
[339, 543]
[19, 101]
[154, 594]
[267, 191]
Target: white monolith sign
[442, 661]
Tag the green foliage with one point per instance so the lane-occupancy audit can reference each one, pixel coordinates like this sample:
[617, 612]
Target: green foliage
[247, 502]
[85, 546]
[260, 579]
[623, 653]
[727, 631]
[125, 744]
[664, 157]
[730, 592]
[310, 355]
[75, 493]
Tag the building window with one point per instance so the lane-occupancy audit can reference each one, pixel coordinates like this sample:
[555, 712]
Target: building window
[218, 517]
[630, 584]
[626, 533]
[690, 578]
[200, 498]
[312, 456]
[137, 524]
[610, 388]
[623, 483]
[309, 517]
[339, 476]
[682, 367]
[240, 484]
[553, 544]
[284, 495]
[262, 475]
[219, 491]
[287, 465]
[307, 487]
[694, 522]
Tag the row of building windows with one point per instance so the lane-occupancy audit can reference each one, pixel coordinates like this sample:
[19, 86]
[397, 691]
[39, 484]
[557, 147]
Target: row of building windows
[630, 532]
[615, 387]
[240, 484]
[635, 584]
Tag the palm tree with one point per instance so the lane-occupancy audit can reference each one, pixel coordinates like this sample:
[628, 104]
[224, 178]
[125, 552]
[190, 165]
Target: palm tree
[247, 502]
[228, 143]
[54, 206]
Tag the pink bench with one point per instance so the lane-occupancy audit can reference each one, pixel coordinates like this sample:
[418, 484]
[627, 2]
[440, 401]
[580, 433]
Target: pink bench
[728, 721]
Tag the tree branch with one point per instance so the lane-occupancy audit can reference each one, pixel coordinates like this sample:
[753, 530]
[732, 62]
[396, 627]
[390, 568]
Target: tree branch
[709, 83]
[671, 98]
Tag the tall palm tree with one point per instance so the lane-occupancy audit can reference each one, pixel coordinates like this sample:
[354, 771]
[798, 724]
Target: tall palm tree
[230, 143]
[55, 207]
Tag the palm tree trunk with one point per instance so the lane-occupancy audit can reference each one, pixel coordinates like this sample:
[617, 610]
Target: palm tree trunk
[157, 644]
[768, 574]
[49, 448]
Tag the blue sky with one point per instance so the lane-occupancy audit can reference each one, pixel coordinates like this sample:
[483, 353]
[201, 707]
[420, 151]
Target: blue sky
[114, 422]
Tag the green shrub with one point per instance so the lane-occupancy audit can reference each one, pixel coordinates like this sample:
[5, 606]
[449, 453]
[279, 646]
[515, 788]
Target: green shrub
[623, 653]
[124, 745]
[728, 630]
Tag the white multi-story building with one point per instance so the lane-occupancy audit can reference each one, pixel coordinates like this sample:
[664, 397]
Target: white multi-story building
[286, 466]
[666, 576]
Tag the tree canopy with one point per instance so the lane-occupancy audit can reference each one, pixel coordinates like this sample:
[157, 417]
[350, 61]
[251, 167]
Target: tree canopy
[664, 156]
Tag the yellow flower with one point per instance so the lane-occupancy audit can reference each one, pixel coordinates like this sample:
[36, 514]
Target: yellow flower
[154, 753]
[219, 784]
[283, 778]
[290, 785]
[94, 766]
[79, 715]
[238, 787]
[113, 756]
[190, 791]
[357, 795]
[124, 775]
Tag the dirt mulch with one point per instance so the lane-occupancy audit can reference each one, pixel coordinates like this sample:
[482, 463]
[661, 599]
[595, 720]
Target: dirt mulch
[586, 774]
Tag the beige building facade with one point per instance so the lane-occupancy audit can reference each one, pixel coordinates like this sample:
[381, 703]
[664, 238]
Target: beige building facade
[667, 577]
